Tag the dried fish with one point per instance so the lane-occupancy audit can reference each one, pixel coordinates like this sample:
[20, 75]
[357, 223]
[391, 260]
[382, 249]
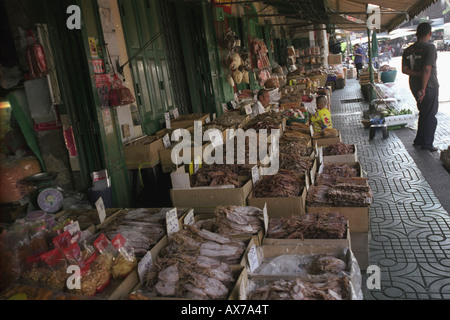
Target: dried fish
[282, 184]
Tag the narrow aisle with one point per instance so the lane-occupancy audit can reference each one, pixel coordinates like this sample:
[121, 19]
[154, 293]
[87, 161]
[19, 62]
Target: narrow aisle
[410, 229]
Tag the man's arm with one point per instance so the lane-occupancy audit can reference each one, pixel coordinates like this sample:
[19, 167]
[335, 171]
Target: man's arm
[426, 73]
[410, 72]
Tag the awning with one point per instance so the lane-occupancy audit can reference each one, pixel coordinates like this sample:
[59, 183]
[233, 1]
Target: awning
[351, 14]
[344, 14]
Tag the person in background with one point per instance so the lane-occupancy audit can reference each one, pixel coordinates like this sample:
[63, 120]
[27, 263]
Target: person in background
[419, 62]
[322, 118]
[262, 102]
[359, 55]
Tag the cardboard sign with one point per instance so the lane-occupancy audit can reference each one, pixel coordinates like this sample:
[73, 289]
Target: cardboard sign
[100, 209]
[172, 222]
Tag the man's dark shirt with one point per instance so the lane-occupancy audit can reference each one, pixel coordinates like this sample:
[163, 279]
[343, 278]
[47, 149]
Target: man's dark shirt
[417, 56]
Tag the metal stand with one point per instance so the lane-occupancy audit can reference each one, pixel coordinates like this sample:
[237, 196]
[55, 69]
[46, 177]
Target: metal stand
[374, 127]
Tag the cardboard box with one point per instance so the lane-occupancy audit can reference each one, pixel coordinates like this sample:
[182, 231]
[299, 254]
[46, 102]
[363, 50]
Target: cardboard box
[363, 258]
[206, 199]
[142, 153]
[266, 252]
[334, 59]
[281, 207]
[327, 141]
[182, 124]
[346, 242]
[165, 156]
[358, 217]
[343, 158]
[250, 281]
[355, 165]
[360, 241]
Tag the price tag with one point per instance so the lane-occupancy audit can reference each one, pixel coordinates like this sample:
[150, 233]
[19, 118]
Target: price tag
[216, 138]
[321, 155]
[167, 117]
[166, 141]
[176, 135]
[233, 104]
[266, 218]
[214, 116]
[100, 209]
[253, 260]
[189, 219]
[175, 113]
[311, 129]
[255, 174]
[144, 265]
[73, 228]
[224, 107]
[208, 120]
[172, 222]
[248, 109]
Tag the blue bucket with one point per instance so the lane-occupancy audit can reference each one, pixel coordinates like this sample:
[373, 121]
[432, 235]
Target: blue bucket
[388, 76]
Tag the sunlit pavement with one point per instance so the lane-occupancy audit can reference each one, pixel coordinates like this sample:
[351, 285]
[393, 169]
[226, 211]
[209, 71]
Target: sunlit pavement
[409, 225]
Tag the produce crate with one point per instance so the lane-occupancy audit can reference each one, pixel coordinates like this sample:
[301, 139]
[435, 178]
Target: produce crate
[406, 119]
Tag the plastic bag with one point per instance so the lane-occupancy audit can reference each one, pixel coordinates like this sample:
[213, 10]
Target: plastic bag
[120, 95]
[104, 246]
[12, 174]
[126, 260]
[37, 63]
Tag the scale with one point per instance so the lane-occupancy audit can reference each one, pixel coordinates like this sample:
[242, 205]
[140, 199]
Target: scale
[46, 195]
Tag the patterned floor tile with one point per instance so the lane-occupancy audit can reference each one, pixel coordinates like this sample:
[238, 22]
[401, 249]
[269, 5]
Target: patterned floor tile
[410, 229]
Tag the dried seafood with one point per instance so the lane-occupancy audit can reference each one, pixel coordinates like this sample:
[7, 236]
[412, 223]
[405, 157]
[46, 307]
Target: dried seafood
[194, 241]
[340, 192]
[338, 149]
[295, 162]
[229, 119]
[216, 175]
[296, 136]
[142, 228]
[340, 170]
[296, 147]
[334, 288]
[283, 184]
[187, 276]
[309, 226]
[238, 221]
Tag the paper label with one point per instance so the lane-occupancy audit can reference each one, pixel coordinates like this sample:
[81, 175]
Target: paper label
[73, 228]
[176, 135]
[167, 117]
[207, 120]
[253, 260]
[189, 219]
[224, 107]
[175, 113]
[248, 109]
[101, 209]
[255, 174]
[144, 265]
[172, 222]
[216, 138]
[166, 141]
[266, 218]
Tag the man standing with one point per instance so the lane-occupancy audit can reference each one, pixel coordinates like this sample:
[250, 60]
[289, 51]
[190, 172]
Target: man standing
[262, 102]
[358, 60]
[419, 62]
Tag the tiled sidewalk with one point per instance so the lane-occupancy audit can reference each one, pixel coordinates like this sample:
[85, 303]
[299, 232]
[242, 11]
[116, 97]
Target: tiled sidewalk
[410, 229]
